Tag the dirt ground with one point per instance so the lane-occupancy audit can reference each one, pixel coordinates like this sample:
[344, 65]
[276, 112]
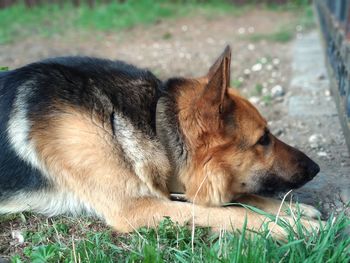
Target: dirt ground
[261, 70]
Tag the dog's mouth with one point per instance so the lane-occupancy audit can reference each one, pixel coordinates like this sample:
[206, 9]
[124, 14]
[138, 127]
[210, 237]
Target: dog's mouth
[272, 184]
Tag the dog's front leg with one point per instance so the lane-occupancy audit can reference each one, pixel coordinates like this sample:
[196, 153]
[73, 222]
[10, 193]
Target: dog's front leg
[275, 206]
[150, 211]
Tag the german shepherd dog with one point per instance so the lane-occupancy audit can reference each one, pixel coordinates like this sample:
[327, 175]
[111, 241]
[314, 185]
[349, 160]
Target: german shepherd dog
[81, 134]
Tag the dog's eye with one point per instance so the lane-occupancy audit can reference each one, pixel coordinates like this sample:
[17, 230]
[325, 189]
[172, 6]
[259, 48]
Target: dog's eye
[265, 139]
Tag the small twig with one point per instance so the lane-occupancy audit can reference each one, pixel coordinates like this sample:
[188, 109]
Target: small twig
[193, 206]
[74, 252]
[135, 230]
[278, 213]
[291, 209]
[57, 234]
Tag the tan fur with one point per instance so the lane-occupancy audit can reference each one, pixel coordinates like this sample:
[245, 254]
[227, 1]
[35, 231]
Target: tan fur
[80, 156]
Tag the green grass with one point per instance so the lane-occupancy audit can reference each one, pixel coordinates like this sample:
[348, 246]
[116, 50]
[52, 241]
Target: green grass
[64, 240]
[290, 5]
[17, 22]
[282, 35]
[287, 32]
[49, 19]
[267, 99]
[236, 83]
[258, 89]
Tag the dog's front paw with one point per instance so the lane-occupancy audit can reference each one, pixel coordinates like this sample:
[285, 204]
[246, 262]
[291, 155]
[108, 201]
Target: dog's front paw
[307, 210]
[290, 225]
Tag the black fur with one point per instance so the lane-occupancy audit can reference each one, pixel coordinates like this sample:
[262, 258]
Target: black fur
[95, 84]
[168, 128]
[15, 174]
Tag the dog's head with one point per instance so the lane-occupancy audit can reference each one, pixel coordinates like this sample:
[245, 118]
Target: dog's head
[231, 150]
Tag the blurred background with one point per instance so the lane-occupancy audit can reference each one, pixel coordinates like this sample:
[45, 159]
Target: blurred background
[158, 34]
[289, 58]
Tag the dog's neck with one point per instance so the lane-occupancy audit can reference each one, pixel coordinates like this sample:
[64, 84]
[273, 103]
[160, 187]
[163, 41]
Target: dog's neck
[169, 134]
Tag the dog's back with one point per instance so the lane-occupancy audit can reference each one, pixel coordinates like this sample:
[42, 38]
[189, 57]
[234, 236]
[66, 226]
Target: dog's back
[38, 92]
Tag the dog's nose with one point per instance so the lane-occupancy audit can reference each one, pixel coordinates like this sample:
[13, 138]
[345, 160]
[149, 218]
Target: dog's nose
[313, 169]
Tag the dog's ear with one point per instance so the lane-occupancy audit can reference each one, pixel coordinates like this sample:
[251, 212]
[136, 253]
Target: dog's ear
[218, 80]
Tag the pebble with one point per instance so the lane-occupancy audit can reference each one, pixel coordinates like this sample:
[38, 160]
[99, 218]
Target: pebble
[241, 30]
[263, 60]
[254, 100]
[251, 47]
[17, 235]
[315, 140]
[345, 195]
[246, 72]
[275, 61]
[322, 154]
[277, 91]
[257, 67]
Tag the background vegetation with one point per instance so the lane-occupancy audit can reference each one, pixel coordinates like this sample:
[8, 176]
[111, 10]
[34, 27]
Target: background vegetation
[18, 21]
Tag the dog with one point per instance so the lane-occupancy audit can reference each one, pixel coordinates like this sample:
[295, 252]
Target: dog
[87, 135]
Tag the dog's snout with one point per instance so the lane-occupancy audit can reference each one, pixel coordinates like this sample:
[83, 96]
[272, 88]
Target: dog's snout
[297, 166]
[313, 169]
[308, 166]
